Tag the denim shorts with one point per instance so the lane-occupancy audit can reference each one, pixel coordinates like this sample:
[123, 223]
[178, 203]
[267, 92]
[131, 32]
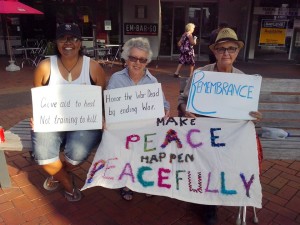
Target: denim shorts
[77, 145]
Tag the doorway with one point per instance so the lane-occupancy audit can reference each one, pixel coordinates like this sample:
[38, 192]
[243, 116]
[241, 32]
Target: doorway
[174, 18]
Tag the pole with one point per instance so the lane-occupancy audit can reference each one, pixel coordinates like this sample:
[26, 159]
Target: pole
[12, 67]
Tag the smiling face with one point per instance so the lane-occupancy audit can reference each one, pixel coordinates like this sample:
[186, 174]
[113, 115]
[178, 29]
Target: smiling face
[226, 53]
[136, 62]
[68, 45]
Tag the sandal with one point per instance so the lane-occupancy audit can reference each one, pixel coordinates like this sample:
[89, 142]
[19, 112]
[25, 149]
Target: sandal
[75, 196]
[126, 193]
[51, 184]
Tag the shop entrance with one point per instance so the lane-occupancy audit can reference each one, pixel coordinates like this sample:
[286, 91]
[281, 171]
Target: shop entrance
[174, 19]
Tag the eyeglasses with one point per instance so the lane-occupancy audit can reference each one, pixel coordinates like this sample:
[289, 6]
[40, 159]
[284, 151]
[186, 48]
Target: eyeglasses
[135, 59]
[229, 50]
[65, 39]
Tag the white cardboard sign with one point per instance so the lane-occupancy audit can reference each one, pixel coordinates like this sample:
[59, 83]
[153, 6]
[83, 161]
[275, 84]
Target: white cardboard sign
[224, 95]
[133, 103]
[67, 107]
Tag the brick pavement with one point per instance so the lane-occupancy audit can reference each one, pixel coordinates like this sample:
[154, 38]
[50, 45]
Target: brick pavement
[28, 203]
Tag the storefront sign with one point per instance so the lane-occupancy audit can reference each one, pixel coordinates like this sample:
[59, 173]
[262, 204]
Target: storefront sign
[141, 29]
[276, 11]
[273, 32]
[107, 24]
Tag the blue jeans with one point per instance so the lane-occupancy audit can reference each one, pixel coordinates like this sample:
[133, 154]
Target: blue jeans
[77, 145]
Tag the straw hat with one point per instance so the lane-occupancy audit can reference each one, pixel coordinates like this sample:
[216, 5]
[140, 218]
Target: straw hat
[227, 34]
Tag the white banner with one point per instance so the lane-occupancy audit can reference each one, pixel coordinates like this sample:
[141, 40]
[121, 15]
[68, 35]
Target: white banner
[67, 107]
[204, 160]
[224, 95]
[134, 103]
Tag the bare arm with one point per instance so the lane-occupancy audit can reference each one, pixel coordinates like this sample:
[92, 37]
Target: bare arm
[191, 39]
[97, 73]
[41, 73]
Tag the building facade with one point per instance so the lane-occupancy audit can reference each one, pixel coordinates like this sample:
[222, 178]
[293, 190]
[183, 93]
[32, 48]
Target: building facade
[270, 29]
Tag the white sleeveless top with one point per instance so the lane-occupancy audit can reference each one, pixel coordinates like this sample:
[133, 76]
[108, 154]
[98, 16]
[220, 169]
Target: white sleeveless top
[57, 79]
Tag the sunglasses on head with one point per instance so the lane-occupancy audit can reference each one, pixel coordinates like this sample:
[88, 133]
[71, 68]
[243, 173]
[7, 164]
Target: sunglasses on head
[135, 59]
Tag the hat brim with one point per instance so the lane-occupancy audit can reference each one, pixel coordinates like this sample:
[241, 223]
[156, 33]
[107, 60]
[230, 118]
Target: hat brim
[239, 43]
[68, 33]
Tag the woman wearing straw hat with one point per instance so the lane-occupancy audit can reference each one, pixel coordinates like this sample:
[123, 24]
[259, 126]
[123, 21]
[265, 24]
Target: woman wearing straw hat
[226, 49]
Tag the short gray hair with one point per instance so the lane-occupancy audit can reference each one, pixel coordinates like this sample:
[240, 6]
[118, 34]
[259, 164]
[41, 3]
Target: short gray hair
[140, 43]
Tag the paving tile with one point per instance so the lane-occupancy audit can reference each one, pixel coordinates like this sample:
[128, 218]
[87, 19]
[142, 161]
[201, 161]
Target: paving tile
[294, 204]
[269, 188]
[295, 166]
[6, 206]
[31, 192]
[23, 204]
[285, 169]
[12, 168]
[56, 217]
[278, 182]
[265, 216]
[290, 177]
[284, 163]
[282, 220]
[13, 193]
[287, 192]
[271, 173]
[294, 184]
[274, 198]
[21, 179]
[46, 199]
[281, 210]
[12, 217]
[170, 217]
[41, 220]
[33, 214]
[265, 180]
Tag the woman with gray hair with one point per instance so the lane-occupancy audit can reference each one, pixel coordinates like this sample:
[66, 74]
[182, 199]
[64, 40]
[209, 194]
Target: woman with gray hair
[137, 54]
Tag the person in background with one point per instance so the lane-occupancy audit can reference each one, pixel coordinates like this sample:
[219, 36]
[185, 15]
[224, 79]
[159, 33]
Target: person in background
[226, 49]
[187, 54]
[137, 54]
[212, 39]
[68, 67]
